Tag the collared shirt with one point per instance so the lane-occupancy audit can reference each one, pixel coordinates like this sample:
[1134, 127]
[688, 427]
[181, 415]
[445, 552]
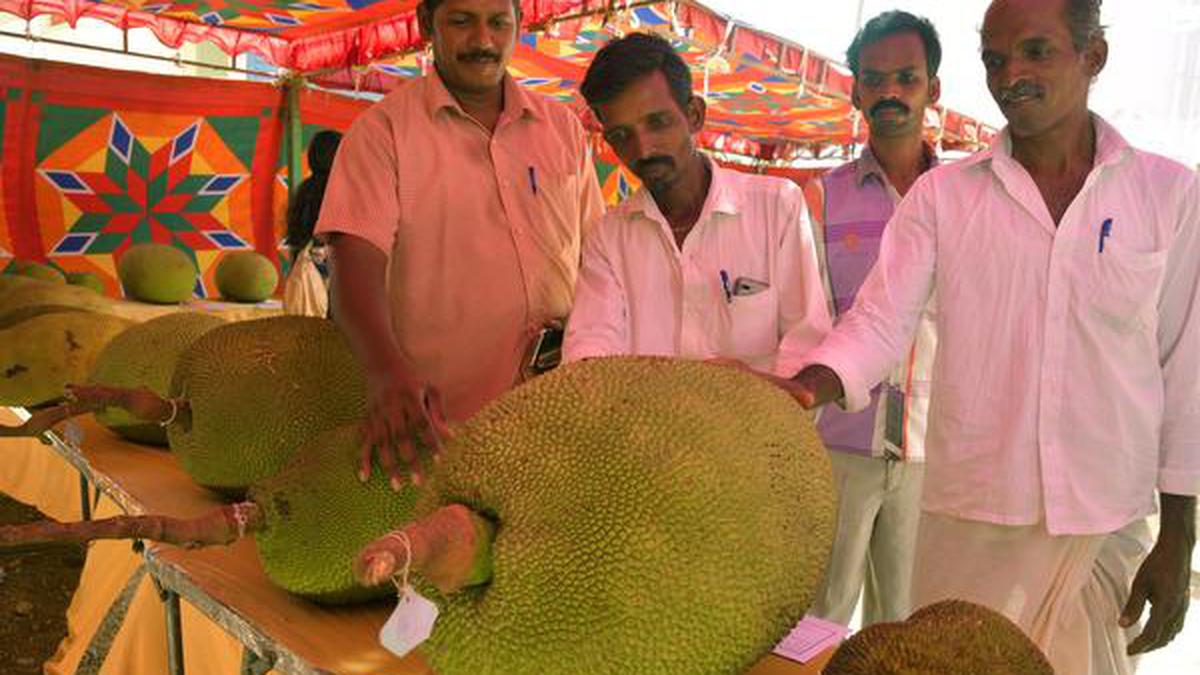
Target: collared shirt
[482, 229]
[639, 293]
[1067, 379]
[894, 423]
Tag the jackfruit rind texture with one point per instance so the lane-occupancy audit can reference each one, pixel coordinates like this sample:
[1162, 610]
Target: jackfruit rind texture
[258, 390]
[319, 516]
[946, 638]
[86, 280]
[157, 273]
[653, 516]
[34, 293]
[145, 356]
[246, 276]
[41, 354]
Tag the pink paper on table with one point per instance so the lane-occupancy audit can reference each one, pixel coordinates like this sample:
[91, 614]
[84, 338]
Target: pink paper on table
[809, 638]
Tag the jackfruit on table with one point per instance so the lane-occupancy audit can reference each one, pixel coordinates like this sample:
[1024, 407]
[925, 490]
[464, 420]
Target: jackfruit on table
[15, 296]
[946, 638]
[246, 276]
[257, 390]
[145, 356]
[158, 273]
[652, 516]
[40, 355]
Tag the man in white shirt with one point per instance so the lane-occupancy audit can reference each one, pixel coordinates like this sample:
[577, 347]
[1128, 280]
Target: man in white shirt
[1066, 387]
[702, 262]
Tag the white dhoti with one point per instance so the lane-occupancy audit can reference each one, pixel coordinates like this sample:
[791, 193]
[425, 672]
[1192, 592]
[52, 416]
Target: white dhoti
[1065, 592]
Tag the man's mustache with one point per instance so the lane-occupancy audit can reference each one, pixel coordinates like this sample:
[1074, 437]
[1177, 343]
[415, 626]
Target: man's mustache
[1021, 89]
[642, 164]
[479, 55]
[888, 103]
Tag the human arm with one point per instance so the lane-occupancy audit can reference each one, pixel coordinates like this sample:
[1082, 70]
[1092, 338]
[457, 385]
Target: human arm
[878, 330]
[1165, 574]
[804, 318]
[360, 214]
[599, 322]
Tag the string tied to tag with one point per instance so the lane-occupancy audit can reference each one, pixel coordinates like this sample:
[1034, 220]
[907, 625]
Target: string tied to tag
[400, 579]
[174, 413]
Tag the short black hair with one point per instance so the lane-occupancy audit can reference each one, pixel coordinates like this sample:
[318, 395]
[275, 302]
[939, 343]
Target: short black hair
[431, 5]
[1083, 18]
[891, 23]
[622, 62]
[321, 150]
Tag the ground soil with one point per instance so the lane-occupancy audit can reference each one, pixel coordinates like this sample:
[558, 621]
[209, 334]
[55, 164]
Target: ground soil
[35, 588]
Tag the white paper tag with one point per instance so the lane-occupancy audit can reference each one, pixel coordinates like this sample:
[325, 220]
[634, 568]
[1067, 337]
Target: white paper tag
[810, 638]
[410, 624]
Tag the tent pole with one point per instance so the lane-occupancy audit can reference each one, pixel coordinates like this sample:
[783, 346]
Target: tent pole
[295, 135]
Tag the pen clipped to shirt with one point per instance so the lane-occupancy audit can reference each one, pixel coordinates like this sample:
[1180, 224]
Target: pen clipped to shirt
[726, 286]
[1105, 231]
[533, 180]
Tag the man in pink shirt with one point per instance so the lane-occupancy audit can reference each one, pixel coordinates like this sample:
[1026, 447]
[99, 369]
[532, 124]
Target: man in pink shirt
[1066, 387]
[703, 262]
[454, 214]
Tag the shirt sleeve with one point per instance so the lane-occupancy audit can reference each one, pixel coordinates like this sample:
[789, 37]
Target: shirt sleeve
[1179, 346]
[803, 312]
[591, 198]
[362, 197]
[599, 323]
[877, 332]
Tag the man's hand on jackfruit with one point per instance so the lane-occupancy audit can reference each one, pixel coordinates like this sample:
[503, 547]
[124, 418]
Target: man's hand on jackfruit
[403, 415]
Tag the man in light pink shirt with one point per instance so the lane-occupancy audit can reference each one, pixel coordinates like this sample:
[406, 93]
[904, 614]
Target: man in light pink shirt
[1066, 387]
[702, 262]
[454, 212]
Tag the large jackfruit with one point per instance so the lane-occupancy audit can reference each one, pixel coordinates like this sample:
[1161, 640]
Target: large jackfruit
[40, 355]
[652, 516]
[946, 638]
[158, 273]
[88, 280]
[317, 516]
[145, 356]
[257, 390]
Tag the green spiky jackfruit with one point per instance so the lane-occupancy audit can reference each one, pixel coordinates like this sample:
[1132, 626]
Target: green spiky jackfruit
[318, 516]
[945, 638]
[35, 270]
[258, 390]
[652, 515]
[157, 273]
[246, 276]
[42, 354]
[145, 356]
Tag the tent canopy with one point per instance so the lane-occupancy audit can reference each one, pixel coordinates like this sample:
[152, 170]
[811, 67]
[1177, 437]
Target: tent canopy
[769, 98]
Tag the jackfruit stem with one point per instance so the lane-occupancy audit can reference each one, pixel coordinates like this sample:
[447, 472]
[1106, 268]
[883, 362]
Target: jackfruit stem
[220, 526]
[81, 399]
[451, 549]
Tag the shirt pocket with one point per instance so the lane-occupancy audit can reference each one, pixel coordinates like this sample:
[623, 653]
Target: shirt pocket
[1124, 285]
[556, 205]
[751, 325]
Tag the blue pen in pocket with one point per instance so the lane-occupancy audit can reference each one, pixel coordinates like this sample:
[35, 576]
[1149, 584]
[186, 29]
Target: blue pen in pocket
[726, 286]
[1105, 231]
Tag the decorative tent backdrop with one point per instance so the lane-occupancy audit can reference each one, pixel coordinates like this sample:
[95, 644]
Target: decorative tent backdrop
[89, 167]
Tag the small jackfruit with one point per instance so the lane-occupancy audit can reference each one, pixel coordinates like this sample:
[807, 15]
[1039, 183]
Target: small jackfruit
[246, 276]
[652, 516]
[35, 270]
[158, 273]
[946, 638]
[145, 356]
[42, 354]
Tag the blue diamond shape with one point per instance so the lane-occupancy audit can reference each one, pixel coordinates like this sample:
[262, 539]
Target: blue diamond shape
[120, 140]
[226, 239]
[67, 181]
[184, 142]
[74, 243]
[219, 185]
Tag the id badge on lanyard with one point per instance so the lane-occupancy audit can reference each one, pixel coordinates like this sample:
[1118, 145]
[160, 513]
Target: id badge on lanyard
[893, 421]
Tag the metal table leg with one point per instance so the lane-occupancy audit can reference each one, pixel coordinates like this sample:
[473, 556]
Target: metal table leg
[85, 497]
[253, 664]
[174, 630]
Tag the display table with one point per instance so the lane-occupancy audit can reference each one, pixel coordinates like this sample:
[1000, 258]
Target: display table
[123, 620]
